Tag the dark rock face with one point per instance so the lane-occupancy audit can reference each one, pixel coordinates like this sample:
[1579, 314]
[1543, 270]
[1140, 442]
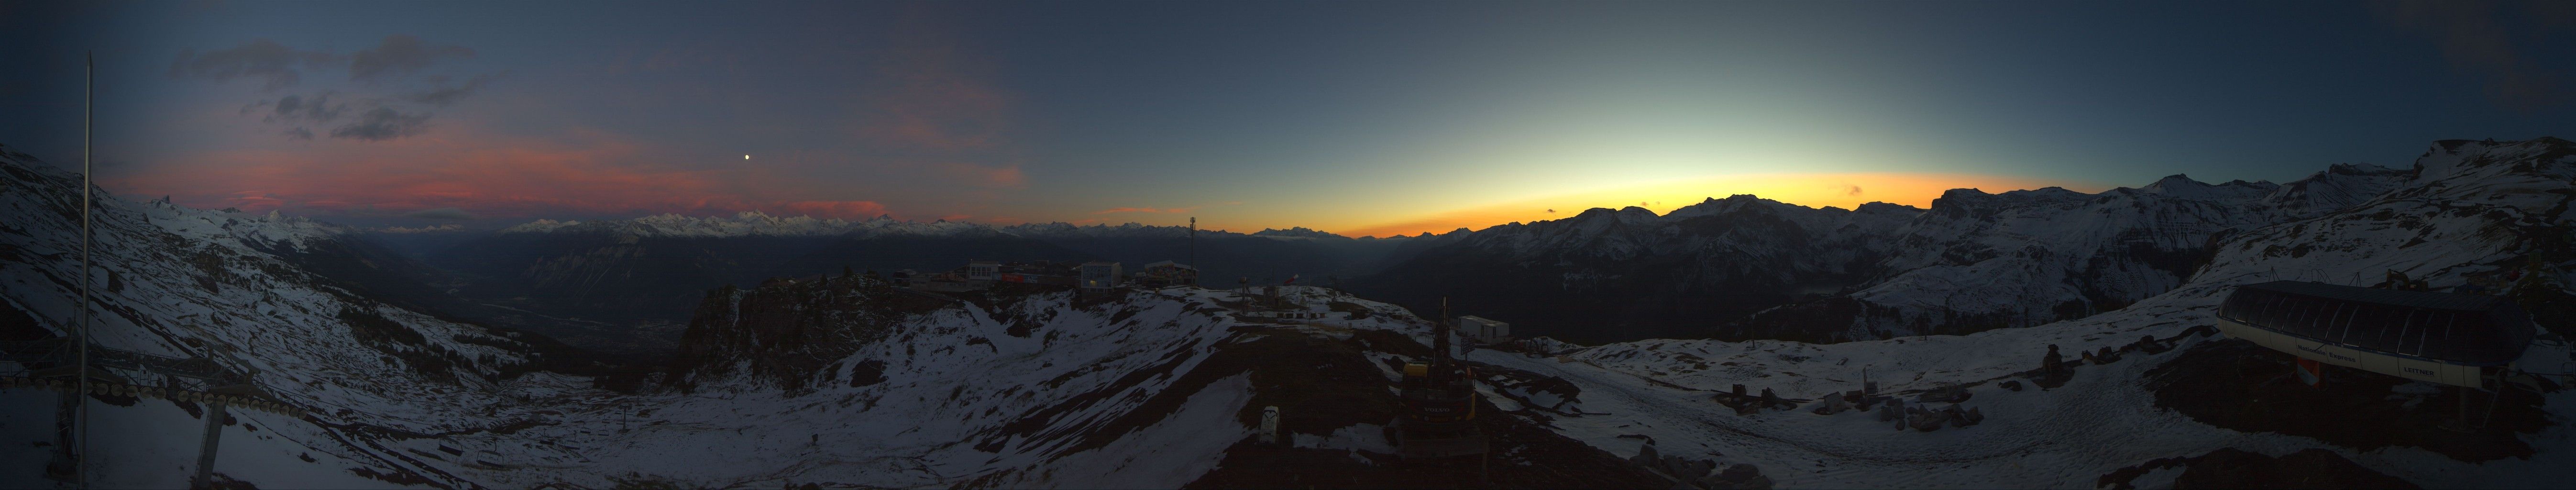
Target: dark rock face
[786, 332]
[609, 276]
[1324, 385]
[2312, 468]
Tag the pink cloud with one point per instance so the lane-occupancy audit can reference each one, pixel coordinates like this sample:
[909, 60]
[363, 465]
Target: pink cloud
[936, 96]
[253, 201]
[508, 178]
[1145, 210]
[1004, 177]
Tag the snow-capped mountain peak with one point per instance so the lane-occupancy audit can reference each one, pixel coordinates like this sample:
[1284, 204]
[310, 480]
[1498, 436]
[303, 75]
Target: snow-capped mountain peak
[2183, 187]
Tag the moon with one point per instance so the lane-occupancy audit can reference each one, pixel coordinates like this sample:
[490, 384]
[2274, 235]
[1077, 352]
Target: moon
[746, 157]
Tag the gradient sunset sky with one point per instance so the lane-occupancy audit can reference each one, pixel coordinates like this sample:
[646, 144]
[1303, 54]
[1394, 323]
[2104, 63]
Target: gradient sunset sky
[1356, 118]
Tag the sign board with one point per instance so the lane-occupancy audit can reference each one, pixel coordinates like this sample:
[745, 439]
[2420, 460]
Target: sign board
[2312, 372]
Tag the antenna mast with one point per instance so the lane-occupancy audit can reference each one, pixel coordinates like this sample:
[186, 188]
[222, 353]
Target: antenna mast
[1194, 250]
[1440, 337]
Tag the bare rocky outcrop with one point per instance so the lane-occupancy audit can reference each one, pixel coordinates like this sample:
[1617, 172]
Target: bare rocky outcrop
[786, 331]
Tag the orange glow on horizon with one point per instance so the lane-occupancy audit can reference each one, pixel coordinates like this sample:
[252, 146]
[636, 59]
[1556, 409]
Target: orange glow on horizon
[1845, 191]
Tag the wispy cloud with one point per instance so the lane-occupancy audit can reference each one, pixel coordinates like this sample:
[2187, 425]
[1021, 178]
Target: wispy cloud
[380, 117]
[441, 94]
[398, 55]
[383, 123]
[2479, 38]
[277, 65]
[934, 96]
[933, 103]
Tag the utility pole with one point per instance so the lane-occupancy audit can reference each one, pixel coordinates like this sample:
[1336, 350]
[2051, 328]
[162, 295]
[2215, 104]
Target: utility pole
[89, 112]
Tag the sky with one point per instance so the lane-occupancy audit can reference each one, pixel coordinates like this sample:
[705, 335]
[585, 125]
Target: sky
[1360, 118]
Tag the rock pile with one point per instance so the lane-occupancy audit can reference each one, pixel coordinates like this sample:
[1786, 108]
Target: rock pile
[1832, 405]
[1945, 394]
[1748, 405]
[2105, 356]
[1928, 419]
[2149, 345]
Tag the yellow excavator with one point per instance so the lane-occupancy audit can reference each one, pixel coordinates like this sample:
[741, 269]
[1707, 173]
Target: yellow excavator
[1439, 403]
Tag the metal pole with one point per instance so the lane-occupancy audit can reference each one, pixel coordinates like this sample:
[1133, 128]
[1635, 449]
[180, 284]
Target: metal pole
[89, 83]
[207, 445]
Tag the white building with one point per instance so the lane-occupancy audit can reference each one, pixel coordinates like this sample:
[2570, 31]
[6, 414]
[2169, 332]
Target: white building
[1172, 273]
[1482, 330]
[982, 273]
[1100, 276]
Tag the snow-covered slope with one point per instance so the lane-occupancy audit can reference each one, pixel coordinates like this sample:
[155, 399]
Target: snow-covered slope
[2469, 213]
[2021, 258]
[1149, 390]
[841, 382]
[193, 284]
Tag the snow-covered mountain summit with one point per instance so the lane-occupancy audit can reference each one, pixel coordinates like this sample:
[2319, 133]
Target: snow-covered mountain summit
[1973, 260]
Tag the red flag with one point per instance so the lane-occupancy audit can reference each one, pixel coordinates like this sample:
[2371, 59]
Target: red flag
[1292, 279]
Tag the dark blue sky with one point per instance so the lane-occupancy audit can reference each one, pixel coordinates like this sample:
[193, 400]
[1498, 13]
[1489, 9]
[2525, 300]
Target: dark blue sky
[1374, 117]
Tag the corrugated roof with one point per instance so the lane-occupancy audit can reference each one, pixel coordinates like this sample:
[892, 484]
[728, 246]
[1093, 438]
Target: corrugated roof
[2418, 299]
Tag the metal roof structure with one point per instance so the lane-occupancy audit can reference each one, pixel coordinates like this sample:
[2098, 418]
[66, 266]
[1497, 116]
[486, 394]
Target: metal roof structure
[2392, 297]
[2448, 328]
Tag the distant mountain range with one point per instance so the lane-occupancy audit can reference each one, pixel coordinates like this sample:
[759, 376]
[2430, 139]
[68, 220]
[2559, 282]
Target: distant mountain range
[1740, 267]
[391, 375]
[627, 285]
[1748, 268]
